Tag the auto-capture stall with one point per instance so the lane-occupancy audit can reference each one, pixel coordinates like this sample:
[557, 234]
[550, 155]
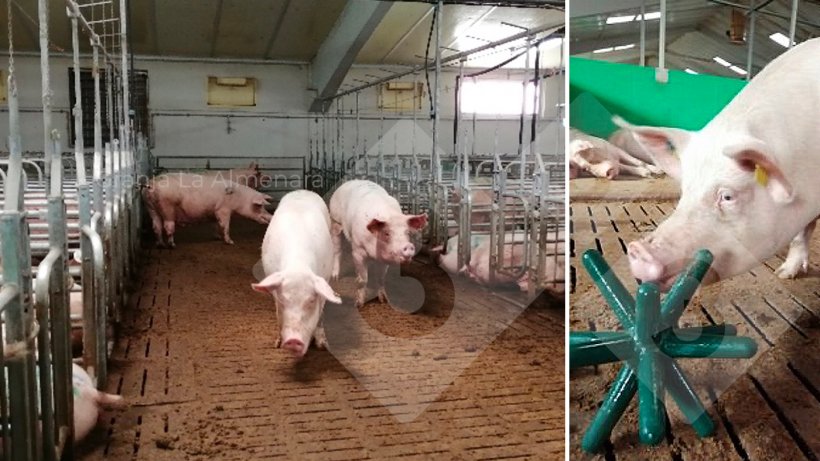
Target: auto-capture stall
[67, 216]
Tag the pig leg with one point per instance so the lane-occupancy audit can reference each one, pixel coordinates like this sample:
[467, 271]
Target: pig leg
[636, 171]
[382, 290]
[170, 228]
[626, 159]
[361, 276]
[223, 221]
[798, 258]
[156, 224]
[336, 236]
[319, 337]
[278, 343]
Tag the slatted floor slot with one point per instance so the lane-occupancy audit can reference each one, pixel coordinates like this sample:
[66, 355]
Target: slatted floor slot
[766, 407]
[198, 367]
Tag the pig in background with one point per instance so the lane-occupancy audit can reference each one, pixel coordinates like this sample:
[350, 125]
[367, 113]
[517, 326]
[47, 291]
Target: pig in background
[297, 256]
[514, 256]
[748, 178]
[447, 256]
[88, 401]
[602, 159]
[378, 232]
[183, 198]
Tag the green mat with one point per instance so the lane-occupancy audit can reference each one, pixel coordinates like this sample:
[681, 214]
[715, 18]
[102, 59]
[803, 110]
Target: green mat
[599, 89]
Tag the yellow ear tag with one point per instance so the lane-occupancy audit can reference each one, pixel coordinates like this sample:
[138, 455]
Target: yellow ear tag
[761, 176]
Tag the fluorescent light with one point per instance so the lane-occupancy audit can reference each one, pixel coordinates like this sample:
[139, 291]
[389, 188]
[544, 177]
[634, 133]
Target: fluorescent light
[650, 16]
[614, 48]
[780, 39]
[737, 70]
[690, 71]
[620, 19]
[722, 61]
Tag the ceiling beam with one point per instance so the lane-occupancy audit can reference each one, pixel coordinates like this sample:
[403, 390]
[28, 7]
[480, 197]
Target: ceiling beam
[276, 28]
[591, 44]
[217, 22]
[341, 46]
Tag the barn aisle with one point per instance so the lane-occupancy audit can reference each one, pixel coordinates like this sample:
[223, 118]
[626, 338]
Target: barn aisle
[197, 364]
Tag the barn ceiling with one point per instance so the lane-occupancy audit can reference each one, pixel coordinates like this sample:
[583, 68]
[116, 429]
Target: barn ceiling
[275, 29]
[696, 32]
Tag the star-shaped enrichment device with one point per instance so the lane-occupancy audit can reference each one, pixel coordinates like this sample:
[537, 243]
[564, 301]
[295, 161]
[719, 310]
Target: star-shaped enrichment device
[648, 346]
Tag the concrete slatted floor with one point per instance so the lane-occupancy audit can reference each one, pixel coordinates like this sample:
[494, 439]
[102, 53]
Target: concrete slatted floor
[766, 408]
[197, 363]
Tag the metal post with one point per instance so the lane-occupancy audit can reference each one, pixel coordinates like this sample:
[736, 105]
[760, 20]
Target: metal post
[126, 76]
[643, 33]
[793, 23]
[435, 160]
[45, 76]
[751, 39]
[662, 38]
[97, 170]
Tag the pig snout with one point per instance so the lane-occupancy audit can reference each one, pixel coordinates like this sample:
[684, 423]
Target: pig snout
[643, 263]
[295, 346]
[407, 252]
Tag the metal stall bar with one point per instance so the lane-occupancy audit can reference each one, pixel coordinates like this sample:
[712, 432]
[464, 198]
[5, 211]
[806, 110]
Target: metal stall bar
[793, 22]
[435, 159]
[751, 39]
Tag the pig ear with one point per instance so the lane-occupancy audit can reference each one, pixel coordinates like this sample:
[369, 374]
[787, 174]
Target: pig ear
[418, 221]
[663, 144]
[261, 200]
[750, 156]
[376, 225]
[252, 166]
[269, 283]
[324, 290]
[229, 189]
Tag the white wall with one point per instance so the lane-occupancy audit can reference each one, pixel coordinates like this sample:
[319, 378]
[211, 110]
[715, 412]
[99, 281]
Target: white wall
[279, 125]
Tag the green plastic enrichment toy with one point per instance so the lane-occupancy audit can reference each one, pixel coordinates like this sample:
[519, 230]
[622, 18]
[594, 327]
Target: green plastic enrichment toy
[649, 345]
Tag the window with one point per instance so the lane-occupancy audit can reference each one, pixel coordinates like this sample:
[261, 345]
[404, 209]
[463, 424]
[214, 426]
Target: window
[139, 105]
[496, 97]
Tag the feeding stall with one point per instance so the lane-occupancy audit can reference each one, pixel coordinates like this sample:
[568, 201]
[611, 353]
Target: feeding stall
[67, 217]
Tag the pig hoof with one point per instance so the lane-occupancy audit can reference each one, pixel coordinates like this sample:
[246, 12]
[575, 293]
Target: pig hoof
[383, 297]
[790, 270]
[278, 343]
[320, 339]
[229, 241]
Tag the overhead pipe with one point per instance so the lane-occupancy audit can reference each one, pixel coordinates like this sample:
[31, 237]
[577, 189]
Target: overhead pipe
[559, 28]
[797, 20]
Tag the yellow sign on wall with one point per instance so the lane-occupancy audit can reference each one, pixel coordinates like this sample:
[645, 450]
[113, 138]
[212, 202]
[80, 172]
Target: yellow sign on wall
[231, 91]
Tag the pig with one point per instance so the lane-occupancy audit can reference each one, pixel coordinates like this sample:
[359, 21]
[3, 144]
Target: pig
[625, 140]
[479, 267]
[748, 178]
[88, 401]
[378, 231]
[297, 256]
[447, 257]
[182, 198]
[602, 159]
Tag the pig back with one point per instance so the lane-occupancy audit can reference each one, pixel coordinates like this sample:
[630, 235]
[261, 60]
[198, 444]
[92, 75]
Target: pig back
[298, 235]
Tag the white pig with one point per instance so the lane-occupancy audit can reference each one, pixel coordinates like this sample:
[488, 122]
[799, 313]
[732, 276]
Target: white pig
[625, 140]
[181, 198]
[602, 159]
[297, 255]
[373, 223]
[447, 257]
[513, 256]
[748, 178]
[88, 401]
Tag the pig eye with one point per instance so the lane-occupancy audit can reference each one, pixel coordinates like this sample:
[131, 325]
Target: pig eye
[727, 197]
